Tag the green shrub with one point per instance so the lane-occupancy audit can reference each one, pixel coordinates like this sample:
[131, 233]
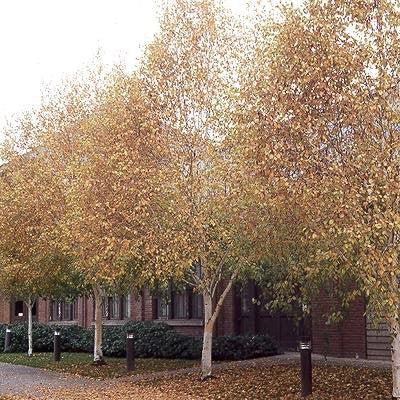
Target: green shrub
[243, 347]
[161, 341]
[42, 337]
[152, 340]
[74, 338]
[181, 346]
[114, 341]
[2, 336]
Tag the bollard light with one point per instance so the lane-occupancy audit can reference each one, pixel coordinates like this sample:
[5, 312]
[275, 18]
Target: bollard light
[306, 367]
[130, 352]
[57, 346]
[7, 340]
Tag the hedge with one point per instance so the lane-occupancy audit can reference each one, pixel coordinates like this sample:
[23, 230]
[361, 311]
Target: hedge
[152, 340]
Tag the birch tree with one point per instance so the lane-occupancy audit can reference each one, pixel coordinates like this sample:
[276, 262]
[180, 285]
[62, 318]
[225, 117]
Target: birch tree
[189, 74]
[31, 264]
[108, 154]
[322, 127]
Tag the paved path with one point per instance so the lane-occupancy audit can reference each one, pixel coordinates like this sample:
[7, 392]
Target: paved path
[22, 380]
[352, 362]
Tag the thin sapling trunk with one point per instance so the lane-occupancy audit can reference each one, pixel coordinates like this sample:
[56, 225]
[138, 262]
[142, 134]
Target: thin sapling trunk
[395, 331]
[98, 327]
[29, 305]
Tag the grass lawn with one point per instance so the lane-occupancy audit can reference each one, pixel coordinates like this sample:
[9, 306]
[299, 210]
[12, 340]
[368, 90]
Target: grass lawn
[81, 364]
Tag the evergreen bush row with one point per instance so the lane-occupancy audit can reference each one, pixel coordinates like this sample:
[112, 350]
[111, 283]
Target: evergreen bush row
[152, 340]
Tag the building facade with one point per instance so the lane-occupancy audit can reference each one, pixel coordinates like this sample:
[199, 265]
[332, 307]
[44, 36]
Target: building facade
[354, 337]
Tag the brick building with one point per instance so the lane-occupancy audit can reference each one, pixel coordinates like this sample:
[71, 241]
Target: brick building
[353, 337]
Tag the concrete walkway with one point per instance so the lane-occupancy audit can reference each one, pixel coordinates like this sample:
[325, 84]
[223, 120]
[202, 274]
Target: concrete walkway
[351, 362]
[22, 380]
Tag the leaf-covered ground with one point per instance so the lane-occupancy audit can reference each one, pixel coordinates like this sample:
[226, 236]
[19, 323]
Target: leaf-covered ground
[81, 364]
[283, 382]
[264, 382]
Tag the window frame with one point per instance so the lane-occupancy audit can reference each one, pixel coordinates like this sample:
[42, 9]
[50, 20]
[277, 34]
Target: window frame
[112, 302]
[185, 312]
[57, 312]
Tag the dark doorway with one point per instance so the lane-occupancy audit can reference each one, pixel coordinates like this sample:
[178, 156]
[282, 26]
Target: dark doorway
[254, 318]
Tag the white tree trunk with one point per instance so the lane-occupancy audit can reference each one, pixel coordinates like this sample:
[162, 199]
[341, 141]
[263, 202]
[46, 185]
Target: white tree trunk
[98, 325]
[210, 316]
[395, 328]
[206, 355]
[30, 339]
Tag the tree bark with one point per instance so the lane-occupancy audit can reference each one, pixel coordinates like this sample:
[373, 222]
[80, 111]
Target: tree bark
[395, 328]
[206, 355]
[98, 326]
[210, 316]
[29, 305]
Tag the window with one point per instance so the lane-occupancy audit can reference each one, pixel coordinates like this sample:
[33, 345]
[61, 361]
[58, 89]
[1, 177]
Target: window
[247, 295]
[116, 307]
[63, 310]
[197, 306]
[126, 306]
[246, 300]
[19, 308]
[179, 305]
[182, 305]
[161, 308]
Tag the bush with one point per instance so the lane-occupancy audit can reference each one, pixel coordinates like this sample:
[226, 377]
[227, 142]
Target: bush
[181, 346]
[42, 336]
[75, 338]
[114, 341]
[152, 340]
[161, 341]
[243, 347]
[2, 336]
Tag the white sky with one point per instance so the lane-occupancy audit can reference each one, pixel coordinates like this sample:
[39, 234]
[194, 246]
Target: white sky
[43, 40]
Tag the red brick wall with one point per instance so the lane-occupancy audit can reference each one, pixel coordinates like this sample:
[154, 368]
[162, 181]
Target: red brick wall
[89, 312]
[136, 307]
[147, 311]
[226, 324]
[5, 311]
[196, 331]
[344, 339]
[82, 311]
[141, 309]
[42, 310]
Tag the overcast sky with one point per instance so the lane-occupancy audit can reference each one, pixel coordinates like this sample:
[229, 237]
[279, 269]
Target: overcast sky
[43, 40]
